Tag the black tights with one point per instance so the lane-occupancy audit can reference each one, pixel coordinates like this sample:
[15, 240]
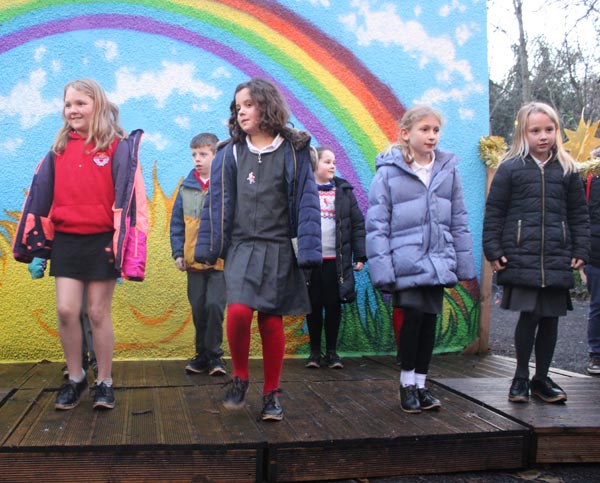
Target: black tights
[545, 342]
[324, 295]
[417, 337]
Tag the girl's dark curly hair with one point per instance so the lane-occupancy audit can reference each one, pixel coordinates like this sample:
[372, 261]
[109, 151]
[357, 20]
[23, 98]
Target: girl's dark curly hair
[272, 106]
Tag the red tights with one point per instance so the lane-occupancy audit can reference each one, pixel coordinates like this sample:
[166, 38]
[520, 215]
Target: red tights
[239, 321]
[397, 320]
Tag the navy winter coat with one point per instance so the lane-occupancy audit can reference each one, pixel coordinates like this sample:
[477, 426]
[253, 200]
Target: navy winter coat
[304, 209]
[594, 209]
[417, 235]
[538, 219]
[349, 238]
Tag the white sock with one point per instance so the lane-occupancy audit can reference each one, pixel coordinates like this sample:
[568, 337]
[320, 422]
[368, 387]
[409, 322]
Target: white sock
[77, 380]
[407, 378]
[420, 380]
[107, 382]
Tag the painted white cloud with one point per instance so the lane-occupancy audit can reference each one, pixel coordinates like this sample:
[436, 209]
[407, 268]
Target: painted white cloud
[56, 66]
[11, 145]
[220, 72]
[437, 95]
[386, 26]
[447, 9]
[159, 141]
[200, 107]
[466, 114]
[38, 54]
[182, 121]
[26, 102]
[110, 48]
[171, 79]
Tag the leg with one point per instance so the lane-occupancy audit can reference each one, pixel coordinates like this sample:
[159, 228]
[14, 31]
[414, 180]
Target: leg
[100, 295]
[409, 337]
[333, 307]
[425, 343]
[273, 346]
[545, 343]
[397, 320]
[88, 341]
[196, 292]
[215, 306]
[239, 321]
[524, 340]
[593, 329]
[69, 294]
[314, 320]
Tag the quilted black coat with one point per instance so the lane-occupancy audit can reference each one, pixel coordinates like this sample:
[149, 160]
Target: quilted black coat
[538, 219]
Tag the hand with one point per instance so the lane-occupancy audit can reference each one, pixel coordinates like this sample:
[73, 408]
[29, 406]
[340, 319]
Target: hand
[358, 266]
[499, 265]
[577, 263]
[37, 267]
[180, 264]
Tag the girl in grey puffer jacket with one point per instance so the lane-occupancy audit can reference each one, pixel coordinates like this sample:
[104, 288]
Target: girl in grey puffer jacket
[418, 241]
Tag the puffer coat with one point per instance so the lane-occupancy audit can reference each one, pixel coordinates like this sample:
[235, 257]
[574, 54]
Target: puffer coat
[417, 235]
[538, 219]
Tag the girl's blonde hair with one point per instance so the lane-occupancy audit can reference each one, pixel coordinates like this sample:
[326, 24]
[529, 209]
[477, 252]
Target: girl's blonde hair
[408, 120]
[104, 125]
[520, 147]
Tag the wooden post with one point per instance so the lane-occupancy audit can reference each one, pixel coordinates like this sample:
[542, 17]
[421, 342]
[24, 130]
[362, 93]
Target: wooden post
[485, 295]
[481, 344]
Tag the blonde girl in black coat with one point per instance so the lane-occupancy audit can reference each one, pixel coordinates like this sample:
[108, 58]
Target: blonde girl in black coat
[535, 233]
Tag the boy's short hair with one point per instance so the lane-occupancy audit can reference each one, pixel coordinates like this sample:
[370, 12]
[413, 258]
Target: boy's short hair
[204, 139]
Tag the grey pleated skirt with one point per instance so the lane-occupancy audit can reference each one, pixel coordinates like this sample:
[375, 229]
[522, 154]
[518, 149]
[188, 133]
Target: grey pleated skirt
[264, 275]
[545, 302]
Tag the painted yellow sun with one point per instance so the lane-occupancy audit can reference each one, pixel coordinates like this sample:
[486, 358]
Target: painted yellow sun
[152, 319]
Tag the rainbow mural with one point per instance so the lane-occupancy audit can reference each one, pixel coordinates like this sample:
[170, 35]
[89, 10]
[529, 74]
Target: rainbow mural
[172, 67]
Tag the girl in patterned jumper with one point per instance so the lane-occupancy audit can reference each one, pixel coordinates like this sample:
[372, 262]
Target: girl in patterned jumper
[262, 216]
[343, 244]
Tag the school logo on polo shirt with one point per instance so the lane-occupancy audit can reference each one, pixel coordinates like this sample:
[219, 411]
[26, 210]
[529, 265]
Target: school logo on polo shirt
[101, 158]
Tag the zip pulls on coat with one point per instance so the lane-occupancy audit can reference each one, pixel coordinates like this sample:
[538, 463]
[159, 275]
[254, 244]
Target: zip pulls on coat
[543, 224]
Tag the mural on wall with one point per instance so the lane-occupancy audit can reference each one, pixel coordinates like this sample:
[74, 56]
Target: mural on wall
[347, 69]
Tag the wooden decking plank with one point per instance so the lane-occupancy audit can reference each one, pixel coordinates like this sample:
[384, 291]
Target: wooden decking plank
[239, 426]
[13, 412]
[44, 374]
[14, 374]
[44, 427]
[111, 427]
[377, 395]
[175, 374]
[175, 427]
[142, 419]
[556, 426]
[204, 417]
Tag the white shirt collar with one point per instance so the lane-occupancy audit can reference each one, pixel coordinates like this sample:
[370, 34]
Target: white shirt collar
[267, 149]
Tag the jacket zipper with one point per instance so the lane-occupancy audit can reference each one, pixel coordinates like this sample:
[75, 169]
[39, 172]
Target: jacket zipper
[519, 224]
[543, 226]
[564, 232]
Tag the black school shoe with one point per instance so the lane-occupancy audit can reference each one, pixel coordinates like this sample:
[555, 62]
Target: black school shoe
[313, 361]
[333, 361]
[519, 390]
[236, 395]
[409, 399]
[547, 390]
[69, 394]
[428, 400]
[104, 396]
[272, 410]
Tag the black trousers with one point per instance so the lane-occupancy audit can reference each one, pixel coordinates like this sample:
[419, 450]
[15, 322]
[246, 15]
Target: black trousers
[324, 296]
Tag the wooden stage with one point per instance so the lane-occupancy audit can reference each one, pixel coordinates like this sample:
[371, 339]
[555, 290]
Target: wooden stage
[339, 424]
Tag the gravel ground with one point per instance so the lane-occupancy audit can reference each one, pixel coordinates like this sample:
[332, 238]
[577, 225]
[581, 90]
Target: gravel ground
[571, 355]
